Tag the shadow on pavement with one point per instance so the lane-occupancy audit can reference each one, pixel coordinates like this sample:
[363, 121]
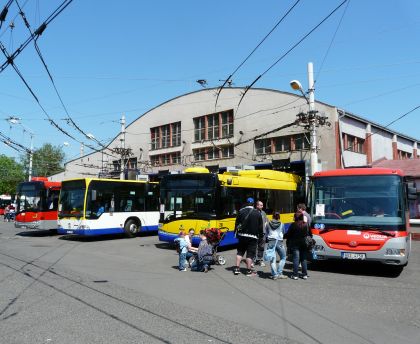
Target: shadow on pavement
[35, 233]
[356, 268]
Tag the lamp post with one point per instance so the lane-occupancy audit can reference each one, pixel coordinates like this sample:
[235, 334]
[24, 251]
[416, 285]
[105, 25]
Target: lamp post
[311, 120]
[17, 120]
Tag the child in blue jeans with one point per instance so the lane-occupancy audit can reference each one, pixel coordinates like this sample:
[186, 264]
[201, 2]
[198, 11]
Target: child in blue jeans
[183, 249]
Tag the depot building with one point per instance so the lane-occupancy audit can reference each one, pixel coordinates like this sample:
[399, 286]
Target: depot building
[269, 129]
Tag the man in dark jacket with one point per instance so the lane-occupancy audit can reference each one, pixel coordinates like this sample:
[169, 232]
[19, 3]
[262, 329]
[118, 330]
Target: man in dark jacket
[248, 227]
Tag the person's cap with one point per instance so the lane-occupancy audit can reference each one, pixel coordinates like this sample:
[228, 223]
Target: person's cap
[250, 200]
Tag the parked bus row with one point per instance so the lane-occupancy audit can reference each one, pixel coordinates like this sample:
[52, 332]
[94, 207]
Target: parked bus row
[358, 214]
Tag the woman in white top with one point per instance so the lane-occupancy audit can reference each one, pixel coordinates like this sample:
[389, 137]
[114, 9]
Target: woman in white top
[275, 231]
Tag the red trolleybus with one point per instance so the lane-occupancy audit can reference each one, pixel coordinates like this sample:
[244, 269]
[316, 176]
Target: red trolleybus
[361, 214]
[37, 204]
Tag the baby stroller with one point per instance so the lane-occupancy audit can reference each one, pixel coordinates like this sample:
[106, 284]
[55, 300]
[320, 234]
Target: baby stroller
[214, 238]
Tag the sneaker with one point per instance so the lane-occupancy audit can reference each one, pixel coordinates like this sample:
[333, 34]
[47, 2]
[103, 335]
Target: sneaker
[274, 277]
[184, 269]
[294, 277]
[305, 277]
[251, 273]
[262, 264]
[206, 269]
[236, 271]
[281, 276]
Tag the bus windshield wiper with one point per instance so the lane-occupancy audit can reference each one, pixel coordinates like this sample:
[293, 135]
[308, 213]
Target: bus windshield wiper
[373, 229]
[325, 230]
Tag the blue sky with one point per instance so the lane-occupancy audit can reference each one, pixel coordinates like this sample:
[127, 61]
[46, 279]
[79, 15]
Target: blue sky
[110, 58]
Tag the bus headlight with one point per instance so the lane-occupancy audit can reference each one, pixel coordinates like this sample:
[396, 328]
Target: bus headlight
[319, 248]
[395, 252]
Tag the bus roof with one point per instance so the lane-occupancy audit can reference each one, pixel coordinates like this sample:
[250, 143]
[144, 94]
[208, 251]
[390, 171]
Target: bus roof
[358, 172]
[260, 178]
[88, 180]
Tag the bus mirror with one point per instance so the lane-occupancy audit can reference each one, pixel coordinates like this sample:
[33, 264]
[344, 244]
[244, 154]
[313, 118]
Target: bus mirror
[411, 192]
[93, 195]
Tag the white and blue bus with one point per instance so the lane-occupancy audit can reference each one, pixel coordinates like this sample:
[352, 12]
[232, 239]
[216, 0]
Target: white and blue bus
[92, 206]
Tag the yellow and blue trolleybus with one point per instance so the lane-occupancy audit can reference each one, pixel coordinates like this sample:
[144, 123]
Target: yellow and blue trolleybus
[199, 199]
[92, 206]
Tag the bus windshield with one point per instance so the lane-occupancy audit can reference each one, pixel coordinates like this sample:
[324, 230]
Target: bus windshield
[189, 195]
[72, 197]
[358, 200]
[29, 197]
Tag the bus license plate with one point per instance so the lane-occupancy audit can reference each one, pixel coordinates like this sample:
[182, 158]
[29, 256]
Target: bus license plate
[351, 255]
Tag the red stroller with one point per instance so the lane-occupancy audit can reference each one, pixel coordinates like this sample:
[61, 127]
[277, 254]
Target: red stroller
[214, 237]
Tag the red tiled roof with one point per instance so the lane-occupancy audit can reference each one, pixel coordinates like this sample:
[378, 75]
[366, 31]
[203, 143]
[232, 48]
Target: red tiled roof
[410, 167]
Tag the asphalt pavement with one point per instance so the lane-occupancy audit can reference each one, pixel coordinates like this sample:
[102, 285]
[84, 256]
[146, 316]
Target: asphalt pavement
[58, 289]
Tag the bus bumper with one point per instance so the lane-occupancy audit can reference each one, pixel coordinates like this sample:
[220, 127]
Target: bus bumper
[28, 225]
[395, 251]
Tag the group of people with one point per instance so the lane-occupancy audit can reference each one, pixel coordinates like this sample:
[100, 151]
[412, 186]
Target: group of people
[256, 234]
[197, 258]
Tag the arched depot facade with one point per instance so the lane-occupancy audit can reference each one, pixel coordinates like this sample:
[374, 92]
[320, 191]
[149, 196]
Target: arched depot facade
[192, 130]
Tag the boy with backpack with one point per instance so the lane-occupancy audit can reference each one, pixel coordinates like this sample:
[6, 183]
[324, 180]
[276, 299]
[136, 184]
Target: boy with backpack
[181, 248]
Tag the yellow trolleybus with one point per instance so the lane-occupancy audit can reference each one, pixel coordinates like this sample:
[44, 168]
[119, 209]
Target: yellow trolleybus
[198, 199]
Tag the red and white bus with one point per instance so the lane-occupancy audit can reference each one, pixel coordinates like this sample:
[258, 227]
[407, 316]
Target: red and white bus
[361, 214]
[37, 204]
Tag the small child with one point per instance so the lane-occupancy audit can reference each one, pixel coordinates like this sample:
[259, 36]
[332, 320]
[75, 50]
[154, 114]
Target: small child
[204, 254]
[182, 251]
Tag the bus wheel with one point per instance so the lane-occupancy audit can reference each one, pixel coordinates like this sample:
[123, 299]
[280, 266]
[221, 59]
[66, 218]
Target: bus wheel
[131, 228]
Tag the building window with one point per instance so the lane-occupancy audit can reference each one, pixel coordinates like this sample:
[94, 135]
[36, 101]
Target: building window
[132, 163]
[166, 159]
[263, 146]
[282, 144]
[155, 160]
[176, 158]
[176, 134]
[402, 155]
[227, 151]
[165, 136]
[199, 129]
[213, 153]
[227, 124]
[354, 143]
[155, 135]
[301, 142]
[214, 126]
[199, 154]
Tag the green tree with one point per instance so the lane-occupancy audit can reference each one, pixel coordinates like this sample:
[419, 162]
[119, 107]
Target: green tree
[11, 174]
[46, 161]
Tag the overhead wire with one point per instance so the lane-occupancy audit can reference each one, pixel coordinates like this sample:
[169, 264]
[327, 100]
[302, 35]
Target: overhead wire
[10, 61]
[68, 119]
[252, 52]
[291, 49]
[331, 43]
[38, 32]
